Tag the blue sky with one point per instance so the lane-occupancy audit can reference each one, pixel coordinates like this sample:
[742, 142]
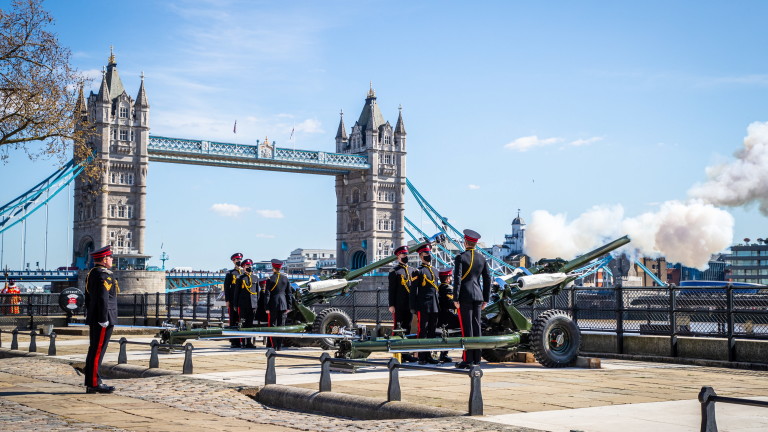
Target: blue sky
[556, 106]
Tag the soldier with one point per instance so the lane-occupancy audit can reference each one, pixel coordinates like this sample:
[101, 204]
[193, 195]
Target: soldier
[230, 281]
[261, 307]
[399, 295]
[13, 300]
[245, 295]
[423, 299]
[101, 289]
[447, 317]
[278, 301]
[469, 267]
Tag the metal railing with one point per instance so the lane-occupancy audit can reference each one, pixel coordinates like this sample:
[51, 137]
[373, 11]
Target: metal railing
[32, 340]
[475, 404]
[154, 359]
[708, 397]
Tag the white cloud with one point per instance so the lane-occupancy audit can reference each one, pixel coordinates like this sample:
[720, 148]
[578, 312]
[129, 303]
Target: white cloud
[585, 141]
[473, 187]
[311, 126]
[228, 210]
[266, 236]
[270, 214]
[525, 143]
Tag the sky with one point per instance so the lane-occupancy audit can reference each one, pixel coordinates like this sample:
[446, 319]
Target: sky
[598, 117]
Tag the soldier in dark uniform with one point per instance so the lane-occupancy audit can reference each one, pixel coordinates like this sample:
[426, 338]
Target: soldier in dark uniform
[101, 289]
[423, 299]
[245, 295]
[469, 267]
[399, 295]
[278, 300]
[261, 307]
[447, 317]
[230, 281]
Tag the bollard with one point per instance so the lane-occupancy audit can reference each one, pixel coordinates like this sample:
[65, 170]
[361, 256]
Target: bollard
[153, 360]
[122, 357]
[475, 395]
[708, 421]
[32, 341]
[15, 339]
[187, 369]
[393, 389]
[52, 344]
[270, 376]
[1, 338]
[325, 372]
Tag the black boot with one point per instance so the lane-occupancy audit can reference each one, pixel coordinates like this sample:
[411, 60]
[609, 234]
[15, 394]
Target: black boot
[444, 357]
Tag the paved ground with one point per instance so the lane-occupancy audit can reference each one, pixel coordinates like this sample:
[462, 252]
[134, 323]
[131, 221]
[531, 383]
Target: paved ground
[39, 394]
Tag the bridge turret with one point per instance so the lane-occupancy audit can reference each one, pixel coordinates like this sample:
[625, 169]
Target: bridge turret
[342, 141]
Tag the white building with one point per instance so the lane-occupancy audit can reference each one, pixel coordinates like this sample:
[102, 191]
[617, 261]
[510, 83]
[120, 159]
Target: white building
[305, 261]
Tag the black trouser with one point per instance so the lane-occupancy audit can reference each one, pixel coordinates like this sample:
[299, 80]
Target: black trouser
[427, 326]
[403, 319]
[469, 314]
[448, 319]
[276, 319]
[246, 313]
[99, 337]
[234, 319]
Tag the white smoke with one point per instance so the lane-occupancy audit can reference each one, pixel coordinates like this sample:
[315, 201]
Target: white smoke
[682, 232]
[744, 180]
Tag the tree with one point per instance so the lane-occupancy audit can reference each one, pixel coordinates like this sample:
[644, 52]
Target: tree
[38, 86]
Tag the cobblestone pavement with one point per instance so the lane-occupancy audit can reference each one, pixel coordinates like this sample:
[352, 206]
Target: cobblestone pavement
[23, 380]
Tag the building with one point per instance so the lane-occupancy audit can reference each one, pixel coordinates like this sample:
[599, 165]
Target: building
[748, 262]
[511, 251]
[309, 261]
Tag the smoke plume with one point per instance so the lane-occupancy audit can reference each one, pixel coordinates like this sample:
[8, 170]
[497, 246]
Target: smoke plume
[682, 232]
[744, 180]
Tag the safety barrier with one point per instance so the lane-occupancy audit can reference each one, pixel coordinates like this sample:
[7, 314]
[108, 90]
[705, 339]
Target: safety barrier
[154, 360]
[708, 397]
[393, 389]
[32, 340]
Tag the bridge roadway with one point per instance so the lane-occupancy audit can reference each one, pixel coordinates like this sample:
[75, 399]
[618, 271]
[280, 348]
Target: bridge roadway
[40, 393]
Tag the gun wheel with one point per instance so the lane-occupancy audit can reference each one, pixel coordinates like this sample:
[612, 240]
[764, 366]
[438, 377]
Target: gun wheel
[331, 321]
[499, 355]
[555, 339]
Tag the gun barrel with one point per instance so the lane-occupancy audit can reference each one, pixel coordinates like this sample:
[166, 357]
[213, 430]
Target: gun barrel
[591, 255]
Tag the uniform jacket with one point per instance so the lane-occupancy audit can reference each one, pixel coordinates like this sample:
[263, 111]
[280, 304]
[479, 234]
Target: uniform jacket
[424, 283]
[246, 291]
[400, 287]
[469, 267]
[445, 297]
[230, 283]
[278, 292]
[101, 289]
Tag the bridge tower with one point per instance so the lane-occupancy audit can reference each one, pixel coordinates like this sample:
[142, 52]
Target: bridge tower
[111, 210]
[370, 205]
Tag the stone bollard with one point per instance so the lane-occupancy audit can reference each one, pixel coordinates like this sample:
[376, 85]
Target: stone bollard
[187, 369]
[325, 372]
[15, 339]
[708, 420]
[122, 357]
[32, 341]
[52, 344]
[393, 389]
[270, 377]
[475, 394]
[154, 362]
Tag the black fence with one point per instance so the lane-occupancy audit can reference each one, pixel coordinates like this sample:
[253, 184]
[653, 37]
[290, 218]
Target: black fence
[677, 311]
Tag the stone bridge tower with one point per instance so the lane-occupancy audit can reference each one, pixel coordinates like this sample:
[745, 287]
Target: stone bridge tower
[116, 215]
[370, 206]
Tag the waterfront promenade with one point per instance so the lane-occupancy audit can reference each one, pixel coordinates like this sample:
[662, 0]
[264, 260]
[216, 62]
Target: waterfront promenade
[41, 393]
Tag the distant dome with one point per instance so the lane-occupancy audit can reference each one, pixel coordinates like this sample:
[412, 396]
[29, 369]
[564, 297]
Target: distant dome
[518, 221]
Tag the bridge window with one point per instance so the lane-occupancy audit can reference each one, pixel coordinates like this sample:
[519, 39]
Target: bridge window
[130, 179]
[130, 212]
[386, 139]
[122, 178]
[111, 234]
[121, 211]
[362, 225]
[112, 211]
[114, 178]
[123, 135]
[123, 112]
[355, 196]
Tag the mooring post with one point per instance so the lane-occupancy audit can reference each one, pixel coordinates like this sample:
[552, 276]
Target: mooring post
[32, 341]
[475, 394]
[325, 372]
[52, 344]
[187, 370]
[393, 388]
[270, 377]
[154, 362]
[15, 339]
[708, 421]
[122, 356]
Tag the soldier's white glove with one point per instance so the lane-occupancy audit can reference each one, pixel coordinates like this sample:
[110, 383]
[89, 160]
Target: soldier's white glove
[104, 324]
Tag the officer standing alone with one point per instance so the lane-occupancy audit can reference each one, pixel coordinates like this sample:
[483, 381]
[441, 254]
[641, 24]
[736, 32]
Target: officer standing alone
[399, 289]
[423, 299]
[101, 289]
[469, 267]
[278, 292]
[230, 282]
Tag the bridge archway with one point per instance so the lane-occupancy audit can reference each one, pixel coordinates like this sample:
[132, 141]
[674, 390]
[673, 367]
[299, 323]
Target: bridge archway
[358, 260]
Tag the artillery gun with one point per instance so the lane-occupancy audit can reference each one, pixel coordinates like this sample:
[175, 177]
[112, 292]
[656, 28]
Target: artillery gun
[553, 337]
[325, 326]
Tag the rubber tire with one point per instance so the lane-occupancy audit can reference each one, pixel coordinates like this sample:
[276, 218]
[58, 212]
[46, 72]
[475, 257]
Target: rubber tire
[499, 355]
[324, 321]
[544, 324]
